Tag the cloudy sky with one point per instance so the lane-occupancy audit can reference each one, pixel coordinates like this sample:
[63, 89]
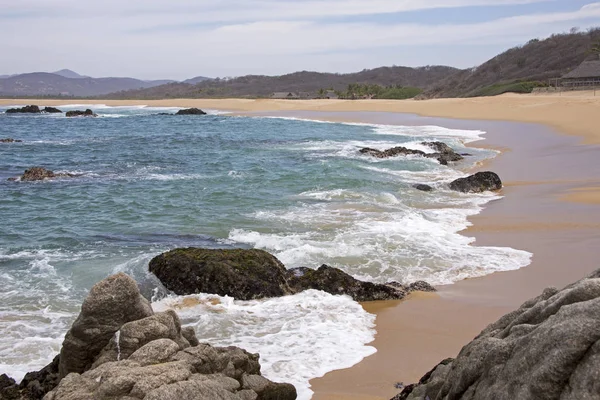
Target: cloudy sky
[178, 39]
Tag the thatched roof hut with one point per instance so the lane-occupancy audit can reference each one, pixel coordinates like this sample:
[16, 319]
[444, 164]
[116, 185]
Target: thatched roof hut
[588, 71]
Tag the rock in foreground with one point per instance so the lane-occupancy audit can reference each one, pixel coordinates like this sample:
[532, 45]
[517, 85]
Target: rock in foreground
[243, 274]
[191, 111]
[478, 183]
[79, 113]
[547, 349]
[119, 349]
[40, 174]
[255, 274]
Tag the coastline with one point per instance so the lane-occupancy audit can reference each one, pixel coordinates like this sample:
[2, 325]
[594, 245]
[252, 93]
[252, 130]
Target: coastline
[541, 170]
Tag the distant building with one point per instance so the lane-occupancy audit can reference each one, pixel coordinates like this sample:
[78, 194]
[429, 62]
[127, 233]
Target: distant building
[330, 94]
[587, 74]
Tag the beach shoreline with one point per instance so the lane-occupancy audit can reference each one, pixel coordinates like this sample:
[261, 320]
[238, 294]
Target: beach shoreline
[550, 197]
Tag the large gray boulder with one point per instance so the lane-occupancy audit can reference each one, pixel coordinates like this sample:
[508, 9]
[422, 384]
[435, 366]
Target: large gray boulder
[547, 349]
[111, 303]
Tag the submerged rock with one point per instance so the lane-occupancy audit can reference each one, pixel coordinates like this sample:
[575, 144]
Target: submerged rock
[40, 174]
[51, 110]
[243, 274]
[254, 274]
[79, 113]
[422, 187]
[444, 154]
[32, 109]
[480, 182]
[547, 349]
[10, 140]
[191, 111]
[149, 358]
[337, 282]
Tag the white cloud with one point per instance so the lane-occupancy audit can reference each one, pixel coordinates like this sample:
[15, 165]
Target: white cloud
[264, 36]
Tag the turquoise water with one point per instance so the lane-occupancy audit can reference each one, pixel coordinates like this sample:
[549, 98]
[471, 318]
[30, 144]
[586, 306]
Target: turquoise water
[299, 189]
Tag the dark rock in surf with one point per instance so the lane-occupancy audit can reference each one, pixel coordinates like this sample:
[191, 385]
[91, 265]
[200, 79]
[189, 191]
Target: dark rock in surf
[40, 174]
[243, 274]
[79, 113]
[191, 111]
[32, 109]
[10, 140]
[423, 187]
[444, 154]
[547, 349]
[337, 282]
[51, 110]
[478, 183]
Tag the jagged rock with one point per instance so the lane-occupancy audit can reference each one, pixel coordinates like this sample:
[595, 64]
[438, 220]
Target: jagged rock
[444, 154]
[111, 303]
[268, 390]
[337, 282]
[547, 349]
[51, 110]
[420, 286]
[191, 111]
[10, 140]
[480, 182]
[243, 274]
[136, 334]
[32, 109]
[40, 174]
[423, 187]
[79, 113]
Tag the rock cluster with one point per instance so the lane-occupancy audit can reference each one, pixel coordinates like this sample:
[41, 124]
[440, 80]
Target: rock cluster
[32, 109]
[40, 174]
[444, 154]
[191, 111]
[10, 140]
[79, 113]
[547, 349]
[256, 274]
[480, 182]
[119, 349]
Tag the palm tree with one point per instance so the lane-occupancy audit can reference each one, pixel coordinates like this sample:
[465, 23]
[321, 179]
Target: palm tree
[321, 93]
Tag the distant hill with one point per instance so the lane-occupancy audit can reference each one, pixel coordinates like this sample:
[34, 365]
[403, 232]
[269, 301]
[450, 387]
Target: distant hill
[305, 81]
[197, 79]
[67, 73]
[538, 60]
[55, 84]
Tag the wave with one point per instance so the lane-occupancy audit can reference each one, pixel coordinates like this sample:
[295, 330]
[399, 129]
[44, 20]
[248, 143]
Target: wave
[299, 337]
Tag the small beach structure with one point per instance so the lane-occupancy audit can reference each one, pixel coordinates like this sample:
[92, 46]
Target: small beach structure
[285, 95]
[587, 74]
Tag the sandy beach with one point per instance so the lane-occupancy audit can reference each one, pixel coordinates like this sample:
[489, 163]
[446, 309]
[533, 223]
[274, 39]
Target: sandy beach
[549, 165]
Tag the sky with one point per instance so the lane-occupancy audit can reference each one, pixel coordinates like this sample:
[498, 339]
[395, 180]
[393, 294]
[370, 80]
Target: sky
[179, 39]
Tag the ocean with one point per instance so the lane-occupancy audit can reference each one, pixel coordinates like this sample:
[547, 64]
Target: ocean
[300, 189]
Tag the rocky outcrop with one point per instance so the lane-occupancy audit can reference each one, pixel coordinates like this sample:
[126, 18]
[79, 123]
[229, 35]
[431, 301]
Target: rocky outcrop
[444, 154]
[10, 140]
[79, 113]
[32, 109]
[243, 274]
[254, 274]
[40, 174]
[478, 183]
[547, 349]
[51, 110]
[337, 282]
[118, 349]
[422, 187]
[191, 111]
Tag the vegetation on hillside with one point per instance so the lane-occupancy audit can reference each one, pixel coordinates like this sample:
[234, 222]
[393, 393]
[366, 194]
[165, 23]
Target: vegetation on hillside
[374, 91]
[537, 61]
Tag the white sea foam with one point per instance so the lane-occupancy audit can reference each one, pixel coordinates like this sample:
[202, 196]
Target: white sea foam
[299, 337]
